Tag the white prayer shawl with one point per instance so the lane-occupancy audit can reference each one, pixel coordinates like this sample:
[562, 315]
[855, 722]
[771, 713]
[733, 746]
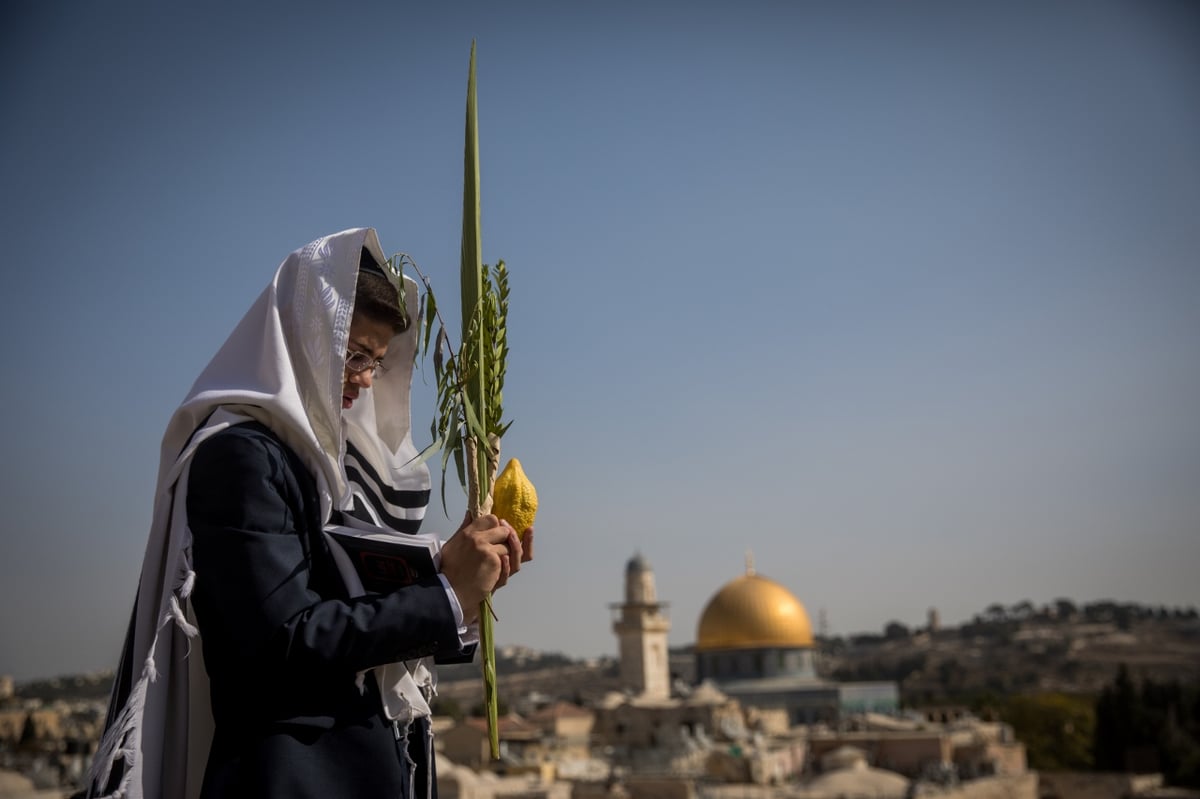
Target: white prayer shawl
[283, 366]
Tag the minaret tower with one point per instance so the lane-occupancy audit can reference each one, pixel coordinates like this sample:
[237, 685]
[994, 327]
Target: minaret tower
[641, 627]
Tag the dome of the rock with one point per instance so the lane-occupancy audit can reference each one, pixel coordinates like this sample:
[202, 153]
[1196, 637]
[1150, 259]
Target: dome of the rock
[753, 612]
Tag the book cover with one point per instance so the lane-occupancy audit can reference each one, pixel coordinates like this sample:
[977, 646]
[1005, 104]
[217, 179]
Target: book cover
[385, 560]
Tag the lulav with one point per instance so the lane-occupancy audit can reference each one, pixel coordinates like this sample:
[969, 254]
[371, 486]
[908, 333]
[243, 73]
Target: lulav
[468, 425]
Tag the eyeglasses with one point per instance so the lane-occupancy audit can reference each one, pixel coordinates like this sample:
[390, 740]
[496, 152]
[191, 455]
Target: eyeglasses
[360, 362]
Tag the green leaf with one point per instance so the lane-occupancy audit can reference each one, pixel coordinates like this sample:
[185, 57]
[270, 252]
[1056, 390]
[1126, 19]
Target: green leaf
[427, 453]
[471, 273]
[430, 316]
[439, 357]
[453, 445]
[473, 424]
[459, 467]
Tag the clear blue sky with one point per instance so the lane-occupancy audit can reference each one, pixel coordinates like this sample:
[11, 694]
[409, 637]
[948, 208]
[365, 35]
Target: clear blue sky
[902, 297]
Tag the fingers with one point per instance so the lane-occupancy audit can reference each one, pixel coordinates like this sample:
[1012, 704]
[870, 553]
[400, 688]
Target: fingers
[482, 556]
[488, 524]
[505, 572]
[516, 551]
[499, 532]
[527, 545]
[511, 554]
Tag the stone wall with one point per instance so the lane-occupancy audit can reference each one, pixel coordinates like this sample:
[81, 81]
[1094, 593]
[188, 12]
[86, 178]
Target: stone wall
[1100, 785]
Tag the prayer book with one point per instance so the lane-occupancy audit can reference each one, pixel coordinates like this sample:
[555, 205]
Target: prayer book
[385, 559]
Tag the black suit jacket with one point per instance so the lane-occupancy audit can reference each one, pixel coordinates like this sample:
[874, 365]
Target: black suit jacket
[283, 643]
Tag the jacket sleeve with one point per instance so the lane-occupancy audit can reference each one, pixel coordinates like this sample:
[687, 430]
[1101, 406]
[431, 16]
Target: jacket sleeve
[254, 597]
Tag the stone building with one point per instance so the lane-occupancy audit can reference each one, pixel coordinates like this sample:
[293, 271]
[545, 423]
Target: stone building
[754, 641]
[566, 730]
[521, 745]
[641, 627]
[970, 749]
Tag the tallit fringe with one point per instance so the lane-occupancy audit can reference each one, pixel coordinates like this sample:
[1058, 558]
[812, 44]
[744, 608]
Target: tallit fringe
[122, 741]
[175, 610]
[123, 730]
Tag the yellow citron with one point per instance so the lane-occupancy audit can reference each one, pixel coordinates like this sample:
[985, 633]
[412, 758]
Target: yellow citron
[514, 498]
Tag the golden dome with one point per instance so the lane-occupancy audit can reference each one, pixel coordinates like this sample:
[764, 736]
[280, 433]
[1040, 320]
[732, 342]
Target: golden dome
[753, 612]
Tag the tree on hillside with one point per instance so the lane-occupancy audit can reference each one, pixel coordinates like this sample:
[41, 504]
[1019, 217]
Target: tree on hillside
[1118, 725]
[1154, 728]
[1021, 610]
[1065, 609]
[447, 706]
[1057, 729]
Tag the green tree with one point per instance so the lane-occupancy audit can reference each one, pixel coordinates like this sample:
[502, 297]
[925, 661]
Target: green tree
[1021, 610]
[1057, 729]
[1116, 722]
[1065, 609]
[446, 706]
[1156, 728]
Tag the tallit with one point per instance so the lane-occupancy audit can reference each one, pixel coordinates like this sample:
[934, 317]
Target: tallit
[283, 366]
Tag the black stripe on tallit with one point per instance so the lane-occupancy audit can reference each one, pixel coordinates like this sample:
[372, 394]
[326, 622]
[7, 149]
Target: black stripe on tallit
[394, 496]
[369, 515]
[387, 519]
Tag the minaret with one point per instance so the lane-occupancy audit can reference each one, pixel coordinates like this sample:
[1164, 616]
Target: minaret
[641, 630]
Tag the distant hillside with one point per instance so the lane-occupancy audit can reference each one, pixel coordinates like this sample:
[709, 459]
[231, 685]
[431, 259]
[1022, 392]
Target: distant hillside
[85, 687]
[1022, 649]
